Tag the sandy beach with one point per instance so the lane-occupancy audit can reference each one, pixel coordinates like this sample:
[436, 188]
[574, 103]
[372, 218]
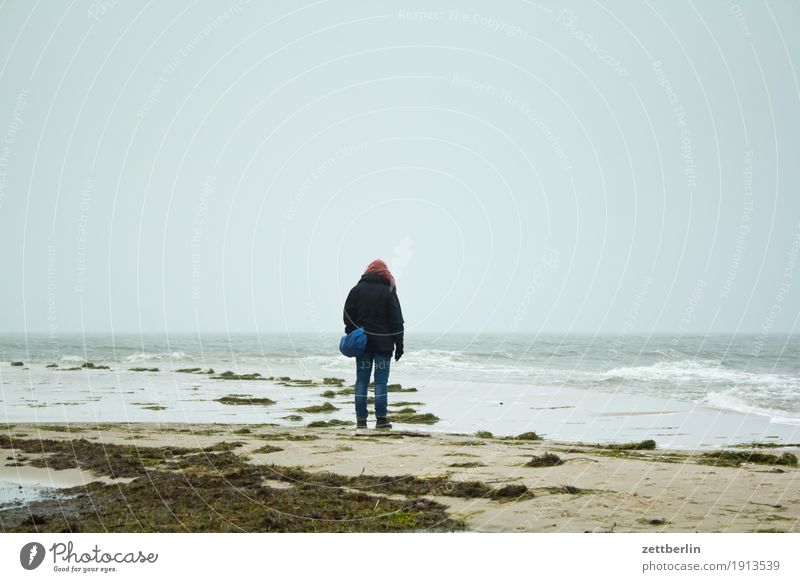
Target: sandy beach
[213, 477]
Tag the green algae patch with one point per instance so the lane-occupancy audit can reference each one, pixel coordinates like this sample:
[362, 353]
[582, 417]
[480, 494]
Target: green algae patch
[222, 446]
[758, 445]
[287, 436]
[652, 521]
[58, 428]
[228, 375]
[327, 407]
[143, 369]
[294, 417]
[467, 465]
[514, 491]
[468, 443]
[267, 449]
[408, 485]
[328, 394]
[426, 418]
[298, 382]
[397, 388]
[645, 445]
[333, 381]
[567, 490]
[244, 400]
[127, 460]
[545, 460]
[332, 422]
[93, 366]
[391, 434]
[483, 434]
[404, 411]
[736, 458]
[526, 436]
[182, 490]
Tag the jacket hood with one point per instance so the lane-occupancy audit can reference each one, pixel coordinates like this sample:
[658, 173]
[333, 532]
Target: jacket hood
[378, 267]
[374, 278]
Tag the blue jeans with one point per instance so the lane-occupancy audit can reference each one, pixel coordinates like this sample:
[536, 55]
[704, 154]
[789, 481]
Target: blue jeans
[364, 365]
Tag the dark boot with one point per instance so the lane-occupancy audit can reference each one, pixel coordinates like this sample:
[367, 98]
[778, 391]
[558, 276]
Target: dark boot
[361, 423]
[383, 422]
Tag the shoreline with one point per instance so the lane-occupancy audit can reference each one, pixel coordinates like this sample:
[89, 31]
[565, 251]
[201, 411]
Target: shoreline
[482, 483]
[87, 392]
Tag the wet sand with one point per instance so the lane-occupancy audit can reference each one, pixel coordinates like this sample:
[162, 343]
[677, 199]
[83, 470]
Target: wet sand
[200, 395]
[593, 489]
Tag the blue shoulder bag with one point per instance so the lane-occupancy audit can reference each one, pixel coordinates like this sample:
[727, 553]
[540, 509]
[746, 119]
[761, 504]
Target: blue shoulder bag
[354, 343]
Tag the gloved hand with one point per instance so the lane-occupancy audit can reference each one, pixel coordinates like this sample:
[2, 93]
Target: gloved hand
[398, 354]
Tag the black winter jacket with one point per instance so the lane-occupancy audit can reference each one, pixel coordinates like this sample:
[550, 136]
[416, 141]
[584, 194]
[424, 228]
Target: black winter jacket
[373, 305]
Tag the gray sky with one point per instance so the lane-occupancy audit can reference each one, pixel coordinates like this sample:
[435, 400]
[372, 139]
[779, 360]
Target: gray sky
[522, 167]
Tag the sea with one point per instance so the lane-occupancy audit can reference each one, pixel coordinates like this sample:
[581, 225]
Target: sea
[684, 391]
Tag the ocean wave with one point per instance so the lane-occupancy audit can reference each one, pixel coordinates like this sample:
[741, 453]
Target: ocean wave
[733, 401]
[158, 357]
[329, 363]
[436, 358]
[700, 371]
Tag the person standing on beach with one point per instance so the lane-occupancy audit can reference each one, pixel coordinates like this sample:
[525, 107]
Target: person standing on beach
[373, 305]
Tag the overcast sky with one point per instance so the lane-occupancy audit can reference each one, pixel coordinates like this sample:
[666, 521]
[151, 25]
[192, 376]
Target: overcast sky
[522, 167]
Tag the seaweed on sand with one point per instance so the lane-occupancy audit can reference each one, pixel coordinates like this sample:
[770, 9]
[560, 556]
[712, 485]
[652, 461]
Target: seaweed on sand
[240, 400]
[545, 460]
[327, 407]
[645, 445]
[418, 418]
[512, 491]
[287, 436]
[191, 491]
[404, 411]
[228, 375]
[760, 445]
[222, 446]
[332, 422]
[126, 460]
[93, 366]
[735, 458]
[297, 382]
[526, 436]
[267, 449]
[397, 388]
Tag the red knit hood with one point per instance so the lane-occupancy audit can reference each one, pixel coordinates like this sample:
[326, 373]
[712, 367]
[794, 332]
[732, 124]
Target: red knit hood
[378, 267]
